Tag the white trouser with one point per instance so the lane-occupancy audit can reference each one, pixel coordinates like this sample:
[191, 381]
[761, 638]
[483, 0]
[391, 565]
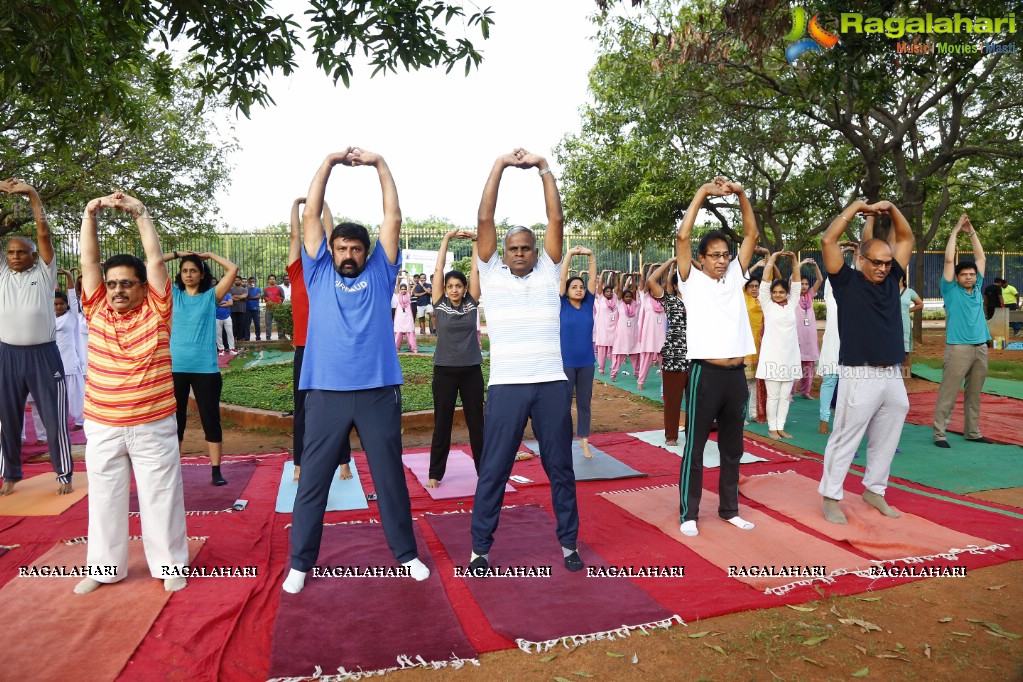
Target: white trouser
[75, 397]
[37, 421]
[777, 403]
[151, 451]
[227, 325]
[871, 401]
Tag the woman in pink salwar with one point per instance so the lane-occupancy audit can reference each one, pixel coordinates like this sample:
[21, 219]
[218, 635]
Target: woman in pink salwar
[606, 309]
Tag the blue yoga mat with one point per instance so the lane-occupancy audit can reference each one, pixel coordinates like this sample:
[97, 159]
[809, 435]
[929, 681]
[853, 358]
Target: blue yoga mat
[601, 467]
[344, 495]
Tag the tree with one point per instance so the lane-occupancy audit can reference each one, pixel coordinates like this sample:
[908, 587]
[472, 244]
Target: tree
[81, 55]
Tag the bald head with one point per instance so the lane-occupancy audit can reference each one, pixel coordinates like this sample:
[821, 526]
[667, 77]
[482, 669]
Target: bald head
[21, 253]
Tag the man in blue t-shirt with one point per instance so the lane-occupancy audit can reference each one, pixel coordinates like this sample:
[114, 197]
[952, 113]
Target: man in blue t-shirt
[872, 398]
[252, 311]
[966, 337]
[225, 326]
[350, 370]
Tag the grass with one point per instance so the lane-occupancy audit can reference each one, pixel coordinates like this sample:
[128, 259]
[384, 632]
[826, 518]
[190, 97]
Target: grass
[269, 388]
[996, 369]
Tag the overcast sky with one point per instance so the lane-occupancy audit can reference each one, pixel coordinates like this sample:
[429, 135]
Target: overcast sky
[439, 133]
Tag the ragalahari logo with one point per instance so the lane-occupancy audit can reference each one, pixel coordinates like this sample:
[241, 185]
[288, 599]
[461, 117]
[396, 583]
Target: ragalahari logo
[818, 41]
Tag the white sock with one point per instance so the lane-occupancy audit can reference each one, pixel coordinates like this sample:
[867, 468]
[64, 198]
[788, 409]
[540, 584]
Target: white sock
[741, 523]
[566, 551]
[417, 569]
[474, 556]
[295, 581]
[174, 584]
[87, 585]
[688, 528]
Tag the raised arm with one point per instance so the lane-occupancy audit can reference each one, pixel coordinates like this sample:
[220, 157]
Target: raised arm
[485, 227]
[653, 280]
[88, 244]
[563, 286]
[474, 268]
[902, 249]
[816, 286]
[312, 229]
[832, 252]
[553, 236]
[230, 272]
[750, 232]
[295, 240]
[438, 271]
[978, 251]
[327, 219]
[156, 267]
[617, 281]
[43, 241]
[591, 280]
[390, 227]
[683, 247]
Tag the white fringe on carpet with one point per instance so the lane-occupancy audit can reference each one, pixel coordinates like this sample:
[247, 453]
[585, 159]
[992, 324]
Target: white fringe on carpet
[404, 663]
[636, 490]
[84, 539]
[572, 641]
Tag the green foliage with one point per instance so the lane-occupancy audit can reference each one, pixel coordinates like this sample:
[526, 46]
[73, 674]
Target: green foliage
[81, 55]
[938, 314]
[283, 317]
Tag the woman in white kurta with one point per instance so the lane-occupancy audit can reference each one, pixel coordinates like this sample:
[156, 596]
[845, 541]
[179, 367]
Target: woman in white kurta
[780, 363]
[827, 363]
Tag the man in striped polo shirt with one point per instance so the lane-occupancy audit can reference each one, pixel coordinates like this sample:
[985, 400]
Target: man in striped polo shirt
[527, 378]
[29, 358]
[130, 418]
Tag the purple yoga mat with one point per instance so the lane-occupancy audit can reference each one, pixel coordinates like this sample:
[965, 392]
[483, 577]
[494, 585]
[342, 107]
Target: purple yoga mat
[368, 624]
[539, 612]
[459, 477]
[200, 494]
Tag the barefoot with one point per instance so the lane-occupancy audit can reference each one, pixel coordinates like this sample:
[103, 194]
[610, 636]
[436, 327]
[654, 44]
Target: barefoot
[671, 443]
[64, 488]
[823, 427]
[774, 434]
[345, 474]
[639, 386]
[298, 470]
[785, 434]
[585, 443]
[7, 488]
[433, 483]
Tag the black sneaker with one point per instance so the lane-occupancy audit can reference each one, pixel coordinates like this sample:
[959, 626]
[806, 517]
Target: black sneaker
[982, 439]
[479, 566]
[573, 562]
[942, 444]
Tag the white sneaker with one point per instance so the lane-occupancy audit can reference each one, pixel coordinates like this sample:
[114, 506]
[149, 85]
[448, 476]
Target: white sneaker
[221, 353]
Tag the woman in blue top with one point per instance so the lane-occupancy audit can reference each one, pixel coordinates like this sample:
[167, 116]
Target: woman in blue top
[193, 345]
[577, 299]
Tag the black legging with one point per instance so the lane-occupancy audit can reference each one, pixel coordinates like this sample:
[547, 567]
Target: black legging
[206, 388]
[449, 383]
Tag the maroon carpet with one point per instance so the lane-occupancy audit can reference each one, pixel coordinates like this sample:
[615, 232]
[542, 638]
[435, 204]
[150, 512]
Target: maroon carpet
[348, 624]
[998, 415]
[200, 494]
[542, 611]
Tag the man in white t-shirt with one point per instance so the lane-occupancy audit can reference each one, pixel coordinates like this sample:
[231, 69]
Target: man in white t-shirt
[718, 337]
[29, 358]
[527, 379]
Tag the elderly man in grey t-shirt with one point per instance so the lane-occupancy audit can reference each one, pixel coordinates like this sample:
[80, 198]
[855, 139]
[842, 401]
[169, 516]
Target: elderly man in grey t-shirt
[29, 358]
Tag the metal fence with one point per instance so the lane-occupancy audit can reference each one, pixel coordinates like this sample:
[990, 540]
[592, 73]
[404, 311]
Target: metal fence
[262, 254]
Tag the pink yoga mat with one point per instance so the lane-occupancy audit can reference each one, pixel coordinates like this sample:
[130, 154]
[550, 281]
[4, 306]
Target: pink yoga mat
[200, 493]
[868, 530]
[339, 624]
[772, 543]
[459, 478]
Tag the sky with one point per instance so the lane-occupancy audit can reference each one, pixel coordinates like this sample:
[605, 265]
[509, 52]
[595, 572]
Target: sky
[439, 133]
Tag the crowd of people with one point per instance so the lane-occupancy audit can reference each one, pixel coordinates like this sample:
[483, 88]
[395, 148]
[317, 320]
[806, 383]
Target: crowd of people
[735, 346]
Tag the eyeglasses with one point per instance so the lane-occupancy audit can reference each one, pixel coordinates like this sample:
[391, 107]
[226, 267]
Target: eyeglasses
[126, 284]
[878, 263]
[718, 256]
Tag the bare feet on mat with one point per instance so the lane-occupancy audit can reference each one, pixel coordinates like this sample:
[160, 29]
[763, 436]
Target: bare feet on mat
[878, 502]
[174, 584]
[671, 443]
[7, 488]
[823, 427]
[639, 386]
[832, 513]
[298, 470]
[785, 434]
[774, 434]
[295, 581]
[64, 488]
[346, 472]
[433, 483]
[741, 523]
[86, 586]
[585, 444]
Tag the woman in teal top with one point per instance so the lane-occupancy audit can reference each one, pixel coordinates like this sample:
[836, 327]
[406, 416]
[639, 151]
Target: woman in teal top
[911, 302]
[193, 345]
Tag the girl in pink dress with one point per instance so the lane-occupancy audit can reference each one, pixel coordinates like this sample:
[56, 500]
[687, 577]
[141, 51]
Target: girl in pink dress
[806, 330]
[626, 343]
[606, 309]
[653, 327]
[404, 323]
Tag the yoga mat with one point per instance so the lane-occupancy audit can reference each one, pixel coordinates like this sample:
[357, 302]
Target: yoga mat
[372, 623]
[966, 468]
[868, 530]
[201, 496]
[711, 454]
[627, 381]
[262, 358]
[772, 543]
[98, 632]
[600, 467]
[459, 477]
[999, 416]
[37, 496]
[1003, 387]
[538, 613]
[343, 496]
[28, 447]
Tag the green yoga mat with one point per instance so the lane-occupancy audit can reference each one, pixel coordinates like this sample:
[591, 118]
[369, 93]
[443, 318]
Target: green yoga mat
[627, 380]
[1004, 387]
[965, 468]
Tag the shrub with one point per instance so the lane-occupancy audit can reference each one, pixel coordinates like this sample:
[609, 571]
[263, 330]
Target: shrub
[820, 309]
[282, 316]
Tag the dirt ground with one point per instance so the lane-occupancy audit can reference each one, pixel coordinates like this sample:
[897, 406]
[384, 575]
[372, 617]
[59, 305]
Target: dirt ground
[916, 641]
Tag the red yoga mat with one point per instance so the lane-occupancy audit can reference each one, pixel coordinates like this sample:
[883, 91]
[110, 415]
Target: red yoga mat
[201, 496]
[999, 416]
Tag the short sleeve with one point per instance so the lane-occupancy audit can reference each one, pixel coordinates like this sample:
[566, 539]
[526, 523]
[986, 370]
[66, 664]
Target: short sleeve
[841, 278]
[92, 301]
[162, 302]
